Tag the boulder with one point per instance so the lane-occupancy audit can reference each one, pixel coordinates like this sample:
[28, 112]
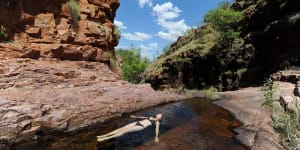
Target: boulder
[291, 103]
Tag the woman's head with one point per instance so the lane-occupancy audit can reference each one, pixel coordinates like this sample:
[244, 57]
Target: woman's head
[159, 116]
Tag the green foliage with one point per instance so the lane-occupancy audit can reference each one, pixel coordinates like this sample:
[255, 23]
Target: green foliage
[229, 36]
[2, 35]
[225, 21]
[74, 11]
[133, 64]
[198, 41]
[241, 71]
[268, 90]
[210, 92]
[117, 33]
[112, 61]
[287, 123]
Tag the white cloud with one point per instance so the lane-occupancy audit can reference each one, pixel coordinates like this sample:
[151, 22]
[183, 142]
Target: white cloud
[166, 11]
[142, 3]
[173, 29]
[120, 24]
[136, 36]
[151, 46]
[150, 51]
[165, 14]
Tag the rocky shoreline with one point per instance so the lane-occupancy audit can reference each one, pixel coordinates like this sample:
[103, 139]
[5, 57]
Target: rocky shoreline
[29, 114]
[245, 104]
[46, 97]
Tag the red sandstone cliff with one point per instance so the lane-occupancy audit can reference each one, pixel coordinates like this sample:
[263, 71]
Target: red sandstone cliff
[46, 29]
[54, 70]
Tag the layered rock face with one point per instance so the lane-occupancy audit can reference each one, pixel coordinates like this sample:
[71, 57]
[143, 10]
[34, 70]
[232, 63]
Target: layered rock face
[68, 30]
[272, 29]
[55, 76]
[196, 60]
[182, 64]
[270, 38]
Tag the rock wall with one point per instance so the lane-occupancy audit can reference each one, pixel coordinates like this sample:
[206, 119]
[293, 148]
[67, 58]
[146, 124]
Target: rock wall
[68, 30]
[269, 41]
[197, 61]
[55, 72]
[272, 29]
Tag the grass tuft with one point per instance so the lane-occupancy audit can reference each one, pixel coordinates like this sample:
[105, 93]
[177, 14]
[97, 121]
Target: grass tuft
[74, 11]
[286, 123]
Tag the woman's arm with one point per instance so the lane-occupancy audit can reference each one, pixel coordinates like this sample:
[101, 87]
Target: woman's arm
[132, 116]
[156, 140]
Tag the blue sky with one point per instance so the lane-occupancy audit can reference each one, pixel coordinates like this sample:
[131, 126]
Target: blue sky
[152, 24]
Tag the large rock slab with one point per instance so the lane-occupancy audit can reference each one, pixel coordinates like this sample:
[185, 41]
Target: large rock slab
[44, 97]
[256, 132]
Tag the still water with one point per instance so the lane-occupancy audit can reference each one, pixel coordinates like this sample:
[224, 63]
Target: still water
[194, 124]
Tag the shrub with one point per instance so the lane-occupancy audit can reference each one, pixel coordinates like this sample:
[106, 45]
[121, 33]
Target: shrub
[133, 64]
[285, 122]
[268, 90]
[112, 61]
[211, 91]
[74, 11]
[117, 33]
[2, 33]
[225, 20]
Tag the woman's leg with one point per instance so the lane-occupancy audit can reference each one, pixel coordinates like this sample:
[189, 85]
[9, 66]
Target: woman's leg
[110, 133]
[100, 139]
[120, 130]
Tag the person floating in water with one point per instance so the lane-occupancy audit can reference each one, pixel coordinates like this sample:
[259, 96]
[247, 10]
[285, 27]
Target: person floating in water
[133, 127]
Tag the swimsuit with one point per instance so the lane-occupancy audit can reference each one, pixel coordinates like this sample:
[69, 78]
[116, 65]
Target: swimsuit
[138, 123]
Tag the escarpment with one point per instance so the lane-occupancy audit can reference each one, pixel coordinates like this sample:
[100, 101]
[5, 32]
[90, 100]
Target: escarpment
[269, 41]
[272, 29]
[67, 30]
[56, 72]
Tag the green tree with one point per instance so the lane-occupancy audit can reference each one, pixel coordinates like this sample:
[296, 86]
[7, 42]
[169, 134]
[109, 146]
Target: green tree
[225, 20]
[133, 64]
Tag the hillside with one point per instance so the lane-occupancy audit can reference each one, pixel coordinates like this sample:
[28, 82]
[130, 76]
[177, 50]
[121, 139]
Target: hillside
[269, 41]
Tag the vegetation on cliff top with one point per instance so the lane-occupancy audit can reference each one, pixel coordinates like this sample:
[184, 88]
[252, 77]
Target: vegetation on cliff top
[200, 40]
[216, 44]
[225, 20]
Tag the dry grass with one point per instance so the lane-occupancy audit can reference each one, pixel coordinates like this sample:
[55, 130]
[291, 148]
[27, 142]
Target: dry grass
[199, 40]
